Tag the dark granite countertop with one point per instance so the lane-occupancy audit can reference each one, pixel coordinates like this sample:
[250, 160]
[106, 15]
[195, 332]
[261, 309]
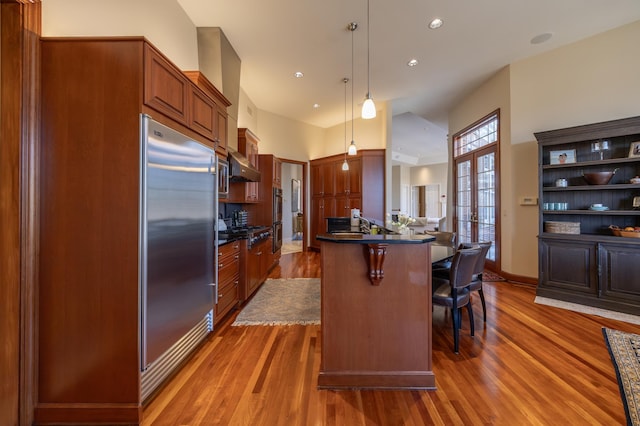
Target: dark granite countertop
[357, 238]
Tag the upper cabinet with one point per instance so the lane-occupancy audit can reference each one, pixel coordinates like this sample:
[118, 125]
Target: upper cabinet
[166, 89]
[186, 97]
[209, 112]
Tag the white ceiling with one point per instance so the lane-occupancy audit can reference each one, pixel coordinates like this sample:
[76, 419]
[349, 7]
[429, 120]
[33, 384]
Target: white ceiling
[276, 38]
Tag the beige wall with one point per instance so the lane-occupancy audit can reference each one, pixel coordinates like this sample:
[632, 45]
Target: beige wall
[492, 95]
[163, 22]
[592, 80]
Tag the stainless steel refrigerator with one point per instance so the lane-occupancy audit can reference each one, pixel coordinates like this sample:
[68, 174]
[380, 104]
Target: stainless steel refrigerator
[178, 205]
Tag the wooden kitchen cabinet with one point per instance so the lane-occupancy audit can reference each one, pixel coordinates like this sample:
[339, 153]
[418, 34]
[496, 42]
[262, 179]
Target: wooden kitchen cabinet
[590, 266]
[335, 192]
[209, 114]
[228, 279]
[166, 89]
[248, 146]
[94, 91]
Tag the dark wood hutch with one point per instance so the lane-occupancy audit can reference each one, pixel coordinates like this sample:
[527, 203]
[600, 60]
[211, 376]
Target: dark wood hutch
[590, 266]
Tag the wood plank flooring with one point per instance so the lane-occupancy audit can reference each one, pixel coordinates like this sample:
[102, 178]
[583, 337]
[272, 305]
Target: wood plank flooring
[528, 365]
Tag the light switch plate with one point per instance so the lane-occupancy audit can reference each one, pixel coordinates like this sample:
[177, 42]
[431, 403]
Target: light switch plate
[528, 201]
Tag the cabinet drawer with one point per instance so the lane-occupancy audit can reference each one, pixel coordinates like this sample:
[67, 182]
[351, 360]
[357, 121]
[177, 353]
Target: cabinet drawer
[231, 250]
[227, 271]
[227, 299]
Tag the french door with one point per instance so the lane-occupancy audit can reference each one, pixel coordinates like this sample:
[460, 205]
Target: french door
[476, 203]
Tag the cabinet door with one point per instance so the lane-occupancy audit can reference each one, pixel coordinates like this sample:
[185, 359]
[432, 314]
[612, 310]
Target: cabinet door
[277, 173]
[221, 136]
[619, 272]
[327, 171]
[253, 270]
[341, 187]
[204, 114]
[166, 89]
[354, 176]
[568, 265]
[316, 181]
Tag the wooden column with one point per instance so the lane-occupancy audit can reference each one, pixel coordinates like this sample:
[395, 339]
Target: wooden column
[19, 42]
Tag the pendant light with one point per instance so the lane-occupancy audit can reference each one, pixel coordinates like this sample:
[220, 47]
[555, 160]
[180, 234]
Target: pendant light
[368, 107]
[353, 150]
[345, 165]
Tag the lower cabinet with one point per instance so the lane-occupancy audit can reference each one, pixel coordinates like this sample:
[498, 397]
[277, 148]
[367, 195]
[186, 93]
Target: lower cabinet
[601, 274]
[257, 263]
[228, 278]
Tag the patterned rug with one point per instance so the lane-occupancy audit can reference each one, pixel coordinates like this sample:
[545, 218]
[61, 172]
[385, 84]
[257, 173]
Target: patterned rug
[624, 349]
[489, 276]
[283, 302]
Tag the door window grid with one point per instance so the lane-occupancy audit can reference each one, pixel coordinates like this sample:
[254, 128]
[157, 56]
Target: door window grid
[487, 201]
[463, 204]
[481, 135]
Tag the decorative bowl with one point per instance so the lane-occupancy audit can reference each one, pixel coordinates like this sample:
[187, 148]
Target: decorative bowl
[598, 178]
[635, 180]
[615, 230]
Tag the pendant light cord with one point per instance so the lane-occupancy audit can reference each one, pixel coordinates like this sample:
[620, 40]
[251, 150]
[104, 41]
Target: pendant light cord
[368, 50]
[352, 31]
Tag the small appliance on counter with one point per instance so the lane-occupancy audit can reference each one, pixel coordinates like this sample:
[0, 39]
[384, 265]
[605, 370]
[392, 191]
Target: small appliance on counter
[239, 218]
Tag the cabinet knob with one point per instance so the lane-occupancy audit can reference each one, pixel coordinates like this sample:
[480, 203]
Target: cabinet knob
[220, 265]
[236, 257]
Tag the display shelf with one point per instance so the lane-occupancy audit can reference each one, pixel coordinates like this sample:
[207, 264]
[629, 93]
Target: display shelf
[617, 186]
[594, 266]
[605, 162]
[594, 212]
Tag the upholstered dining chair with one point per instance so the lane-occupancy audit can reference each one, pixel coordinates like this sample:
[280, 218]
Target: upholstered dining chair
[453, 292]
[444, 237]
[476, 280]
[442, 270]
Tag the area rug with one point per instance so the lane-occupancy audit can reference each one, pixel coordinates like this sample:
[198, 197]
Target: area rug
[291, 247]
[489, 276]
[624, 349]
[283, 302]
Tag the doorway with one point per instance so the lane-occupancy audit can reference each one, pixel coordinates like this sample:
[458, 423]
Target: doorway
[293, 206]
[476, 184]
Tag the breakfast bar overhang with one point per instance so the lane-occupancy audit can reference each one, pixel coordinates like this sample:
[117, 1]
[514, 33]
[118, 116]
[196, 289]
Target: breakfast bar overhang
[376, 312]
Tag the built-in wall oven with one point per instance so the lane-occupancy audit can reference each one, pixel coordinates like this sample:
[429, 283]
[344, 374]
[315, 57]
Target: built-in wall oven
[277, 219]
[223, 178]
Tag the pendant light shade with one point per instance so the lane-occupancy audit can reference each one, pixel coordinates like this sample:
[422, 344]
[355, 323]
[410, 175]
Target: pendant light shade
[368, 107]
[353, 150]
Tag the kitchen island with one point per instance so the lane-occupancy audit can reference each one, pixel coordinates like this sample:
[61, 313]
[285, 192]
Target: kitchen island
[376, 311]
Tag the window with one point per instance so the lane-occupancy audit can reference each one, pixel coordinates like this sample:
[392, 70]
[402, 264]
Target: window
[481, 134]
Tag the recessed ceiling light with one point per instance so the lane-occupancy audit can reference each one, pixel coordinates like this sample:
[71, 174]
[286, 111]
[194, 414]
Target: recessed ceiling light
[541, 38]
[412, 63]
[299, 74]
[316, 105]
[436, 23]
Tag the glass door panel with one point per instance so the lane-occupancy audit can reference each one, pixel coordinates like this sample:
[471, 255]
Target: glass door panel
[476, 199]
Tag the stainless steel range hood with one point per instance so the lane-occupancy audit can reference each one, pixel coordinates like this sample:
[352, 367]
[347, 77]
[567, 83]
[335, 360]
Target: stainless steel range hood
[240, 169]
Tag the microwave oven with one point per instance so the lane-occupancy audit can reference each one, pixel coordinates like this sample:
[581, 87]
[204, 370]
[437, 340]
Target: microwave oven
[223, 178]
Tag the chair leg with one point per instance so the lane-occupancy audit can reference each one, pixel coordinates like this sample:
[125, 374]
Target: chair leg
[484, 306]
[471, 323]
[455, 314]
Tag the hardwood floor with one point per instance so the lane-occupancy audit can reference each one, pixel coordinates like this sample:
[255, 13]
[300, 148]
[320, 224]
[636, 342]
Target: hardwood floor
[528, 365]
